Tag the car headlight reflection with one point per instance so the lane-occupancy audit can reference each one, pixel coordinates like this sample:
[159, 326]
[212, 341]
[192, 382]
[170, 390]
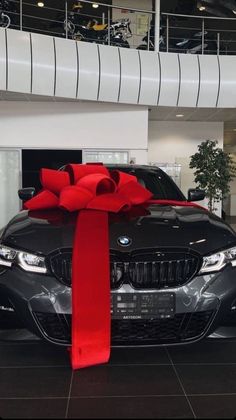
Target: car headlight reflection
[216, 262]
[27, 261]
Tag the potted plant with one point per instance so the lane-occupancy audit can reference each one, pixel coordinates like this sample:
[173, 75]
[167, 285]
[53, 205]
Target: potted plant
[214, 170]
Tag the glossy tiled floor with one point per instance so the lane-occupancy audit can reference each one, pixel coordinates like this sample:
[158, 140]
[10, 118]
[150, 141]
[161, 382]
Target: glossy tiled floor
[195, 381]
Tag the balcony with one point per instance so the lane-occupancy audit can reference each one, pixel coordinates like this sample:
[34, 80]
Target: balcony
[58, 65]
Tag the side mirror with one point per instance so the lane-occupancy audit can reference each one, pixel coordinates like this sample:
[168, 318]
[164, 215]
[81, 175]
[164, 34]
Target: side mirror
[26, 193]
[196, 195]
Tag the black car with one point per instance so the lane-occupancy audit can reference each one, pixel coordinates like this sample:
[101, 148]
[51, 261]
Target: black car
[173, 271]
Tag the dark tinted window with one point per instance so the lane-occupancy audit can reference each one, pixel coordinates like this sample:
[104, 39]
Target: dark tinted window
[35, 159]
[156, 181]
[159, 184]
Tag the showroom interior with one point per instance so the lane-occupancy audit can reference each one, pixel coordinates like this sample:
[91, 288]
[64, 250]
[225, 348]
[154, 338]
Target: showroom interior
[138, 84]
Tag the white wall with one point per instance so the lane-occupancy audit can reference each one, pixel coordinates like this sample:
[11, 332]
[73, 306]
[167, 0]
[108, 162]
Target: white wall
[175, 142]
[74, 125]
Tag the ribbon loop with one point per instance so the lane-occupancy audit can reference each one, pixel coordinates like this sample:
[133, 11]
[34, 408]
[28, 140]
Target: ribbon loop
[77, 171]
[97, 184]
[122, 178]
[54, 181]
[42, 201]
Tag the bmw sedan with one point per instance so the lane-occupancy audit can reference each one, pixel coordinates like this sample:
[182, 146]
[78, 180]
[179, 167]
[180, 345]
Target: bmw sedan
[172, 271]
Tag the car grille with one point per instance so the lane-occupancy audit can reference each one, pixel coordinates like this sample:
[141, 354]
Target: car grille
[180, 328]
[142, 270]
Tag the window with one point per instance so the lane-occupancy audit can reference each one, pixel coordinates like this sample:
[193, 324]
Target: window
[106, 156]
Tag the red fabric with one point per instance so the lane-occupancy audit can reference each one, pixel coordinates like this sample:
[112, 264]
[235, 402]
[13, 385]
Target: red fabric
[90, 190]
[93, 192]
[91, 306]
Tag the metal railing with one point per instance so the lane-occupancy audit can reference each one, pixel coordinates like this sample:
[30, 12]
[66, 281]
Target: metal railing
[197, 34]
[119, 26]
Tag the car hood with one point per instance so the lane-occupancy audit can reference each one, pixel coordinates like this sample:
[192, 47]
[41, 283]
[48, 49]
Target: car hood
[155, 227]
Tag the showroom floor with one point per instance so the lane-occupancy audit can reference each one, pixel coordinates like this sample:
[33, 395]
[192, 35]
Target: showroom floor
[193, 381]
[179, 382]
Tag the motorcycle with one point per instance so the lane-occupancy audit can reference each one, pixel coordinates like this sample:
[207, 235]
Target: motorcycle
[115, 34]
[194, 45]
[5, 19]
[186, 45]
[148, 40]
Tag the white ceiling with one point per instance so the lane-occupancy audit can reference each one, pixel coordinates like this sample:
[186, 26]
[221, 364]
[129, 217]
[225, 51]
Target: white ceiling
[226, 115]
[14, 96]
[193, 114]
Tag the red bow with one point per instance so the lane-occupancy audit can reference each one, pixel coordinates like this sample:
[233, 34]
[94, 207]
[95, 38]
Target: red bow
[93, 191]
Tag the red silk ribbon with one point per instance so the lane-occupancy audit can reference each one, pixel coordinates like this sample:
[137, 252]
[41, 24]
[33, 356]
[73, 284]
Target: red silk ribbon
[93, 192]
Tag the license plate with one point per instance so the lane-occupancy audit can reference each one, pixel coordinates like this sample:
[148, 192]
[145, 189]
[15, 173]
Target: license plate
[142, 305]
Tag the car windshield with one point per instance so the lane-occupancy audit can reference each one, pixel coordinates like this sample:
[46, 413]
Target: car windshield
[156, 181]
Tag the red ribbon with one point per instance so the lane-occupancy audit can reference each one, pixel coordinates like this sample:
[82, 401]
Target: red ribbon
[93, 192]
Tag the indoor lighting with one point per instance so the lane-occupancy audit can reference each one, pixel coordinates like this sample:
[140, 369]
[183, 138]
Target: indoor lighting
[234, 12]
[179, 115]
[95, 5]
[201, 8]
[40, 4]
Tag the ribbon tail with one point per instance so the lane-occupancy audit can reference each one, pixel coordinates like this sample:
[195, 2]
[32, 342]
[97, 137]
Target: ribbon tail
[91, 319]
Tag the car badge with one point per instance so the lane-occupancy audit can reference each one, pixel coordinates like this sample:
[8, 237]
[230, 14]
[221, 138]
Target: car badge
[124, 241]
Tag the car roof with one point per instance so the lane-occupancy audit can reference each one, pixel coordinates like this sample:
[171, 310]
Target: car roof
[130, 166]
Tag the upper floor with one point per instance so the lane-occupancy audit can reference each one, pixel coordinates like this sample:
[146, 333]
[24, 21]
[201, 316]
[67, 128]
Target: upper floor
[32, 63]
[65, 64]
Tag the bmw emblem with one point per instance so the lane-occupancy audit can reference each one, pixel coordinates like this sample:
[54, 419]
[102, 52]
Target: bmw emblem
[124, 241]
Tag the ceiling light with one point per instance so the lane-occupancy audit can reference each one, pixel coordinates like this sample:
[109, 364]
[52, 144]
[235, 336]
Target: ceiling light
[234, 11]
[179, 115]
[95, 5]
[40, 4]
[77, 6]
[201, 8]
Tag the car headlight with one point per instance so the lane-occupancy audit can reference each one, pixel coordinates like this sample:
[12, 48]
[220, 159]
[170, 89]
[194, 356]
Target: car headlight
[7, 256]
[216, 262]
[27, 261]
[31, 262]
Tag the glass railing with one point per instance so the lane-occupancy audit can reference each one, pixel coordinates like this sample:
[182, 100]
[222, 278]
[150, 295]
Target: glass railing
[107, 24]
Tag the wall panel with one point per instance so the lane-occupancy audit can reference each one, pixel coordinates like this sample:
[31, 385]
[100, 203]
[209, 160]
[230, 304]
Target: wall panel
[209, 81]
[150, 78]
[43, 59]
[88, 71]
[130, 76]
[19, 61]
[169, 89]
[189, 80]
[3, 63]
[109, 73]
[66, 68]
[227, 94]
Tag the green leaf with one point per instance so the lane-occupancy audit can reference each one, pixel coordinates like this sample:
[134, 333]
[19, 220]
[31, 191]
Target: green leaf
[213, 171]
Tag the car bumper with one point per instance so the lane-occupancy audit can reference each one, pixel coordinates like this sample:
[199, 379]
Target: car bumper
[42, 305]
